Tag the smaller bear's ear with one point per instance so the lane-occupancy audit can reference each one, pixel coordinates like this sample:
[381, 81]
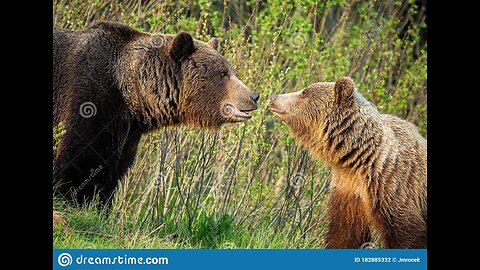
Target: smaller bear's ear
[213, 42]
[182, 46]
[344, 87]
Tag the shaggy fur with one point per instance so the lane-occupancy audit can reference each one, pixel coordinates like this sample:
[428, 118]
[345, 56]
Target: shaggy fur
[133, 82]
[378, 161]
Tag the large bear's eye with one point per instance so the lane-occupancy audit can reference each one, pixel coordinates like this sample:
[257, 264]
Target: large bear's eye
[224, 74]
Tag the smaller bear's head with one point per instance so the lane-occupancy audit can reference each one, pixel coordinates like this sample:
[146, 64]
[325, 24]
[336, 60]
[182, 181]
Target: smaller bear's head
[211, 94]
[308, 109]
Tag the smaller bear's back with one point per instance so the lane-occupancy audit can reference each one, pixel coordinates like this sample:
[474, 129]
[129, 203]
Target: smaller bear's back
[405, 132]
[409, 163]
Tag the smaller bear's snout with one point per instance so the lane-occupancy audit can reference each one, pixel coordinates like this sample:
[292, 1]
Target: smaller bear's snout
[255, 96]
[274, 97]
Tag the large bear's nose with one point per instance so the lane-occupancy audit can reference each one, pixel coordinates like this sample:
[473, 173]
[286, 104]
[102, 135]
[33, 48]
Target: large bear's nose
[274, 96]
[255, 96]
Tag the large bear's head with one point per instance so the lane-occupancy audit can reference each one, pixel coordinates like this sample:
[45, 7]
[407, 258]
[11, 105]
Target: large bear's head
[213, 94]
[322, 104]
[183, 80]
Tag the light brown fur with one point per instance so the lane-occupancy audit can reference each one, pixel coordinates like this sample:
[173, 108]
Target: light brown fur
[378, 161]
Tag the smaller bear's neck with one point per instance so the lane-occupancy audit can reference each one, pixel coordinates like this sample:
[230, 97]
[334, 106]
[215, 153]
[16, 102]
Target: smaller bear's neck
[346, 141]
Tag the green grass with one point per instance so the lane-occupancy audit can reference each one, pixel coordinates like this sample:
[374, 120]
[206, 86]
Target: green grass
[87, 228]
[250, 185]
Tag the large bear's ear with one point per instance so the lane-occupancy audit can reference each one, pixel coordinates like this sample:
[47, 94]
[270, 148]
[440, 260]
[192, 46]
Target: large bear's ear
[182, 46]
[213, 42]
[344, 87]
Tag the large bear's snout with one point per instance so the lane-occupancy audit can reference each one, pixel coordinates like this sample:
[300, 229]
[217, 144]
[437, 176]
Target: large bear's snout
[254, 98]
[244, 98]
[250, 97]
[240, 101]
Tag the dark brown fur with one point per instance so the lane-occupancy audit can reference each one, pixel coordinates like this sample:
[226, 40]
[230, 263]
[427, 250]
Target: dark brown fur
[379, 165]
[136, 82]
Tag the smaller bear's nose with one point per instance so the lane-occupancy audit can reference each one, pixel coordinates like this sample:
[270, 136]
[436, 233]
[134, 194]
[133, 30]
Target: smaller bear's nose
[255, 96]
[274, 96]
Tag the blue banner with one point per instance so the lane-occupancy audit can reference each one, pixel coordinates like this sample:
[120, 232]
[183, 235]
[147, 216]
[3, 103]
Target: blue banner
[213, 259]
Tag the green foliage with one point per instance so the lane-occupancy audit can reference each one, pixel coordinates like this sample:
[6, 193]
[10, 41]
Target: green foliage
[236, 186]
[58, 132]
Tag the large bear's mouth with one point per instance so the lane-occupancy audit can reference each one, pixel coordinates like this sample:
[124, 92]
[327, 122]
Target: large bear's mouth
[235, 113]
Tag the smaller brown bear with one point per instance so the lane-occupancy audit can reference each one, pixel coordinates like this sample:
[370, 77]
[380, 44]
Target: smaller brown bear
[378, 161]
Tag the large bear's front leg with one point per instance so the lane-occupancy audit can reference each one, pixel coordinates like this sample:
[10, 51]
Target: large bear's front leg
[348, 226]
[80, 165]
[93, 156]
[123, 159]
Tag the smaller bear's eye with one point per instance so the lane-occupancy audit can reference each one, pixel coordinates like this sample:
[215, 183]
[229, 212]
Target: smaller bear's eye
[224, 74]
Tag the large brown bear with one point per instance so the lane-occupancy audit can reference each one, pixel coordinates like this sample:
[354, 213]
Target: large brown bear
[112, 83]
[378, 161]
